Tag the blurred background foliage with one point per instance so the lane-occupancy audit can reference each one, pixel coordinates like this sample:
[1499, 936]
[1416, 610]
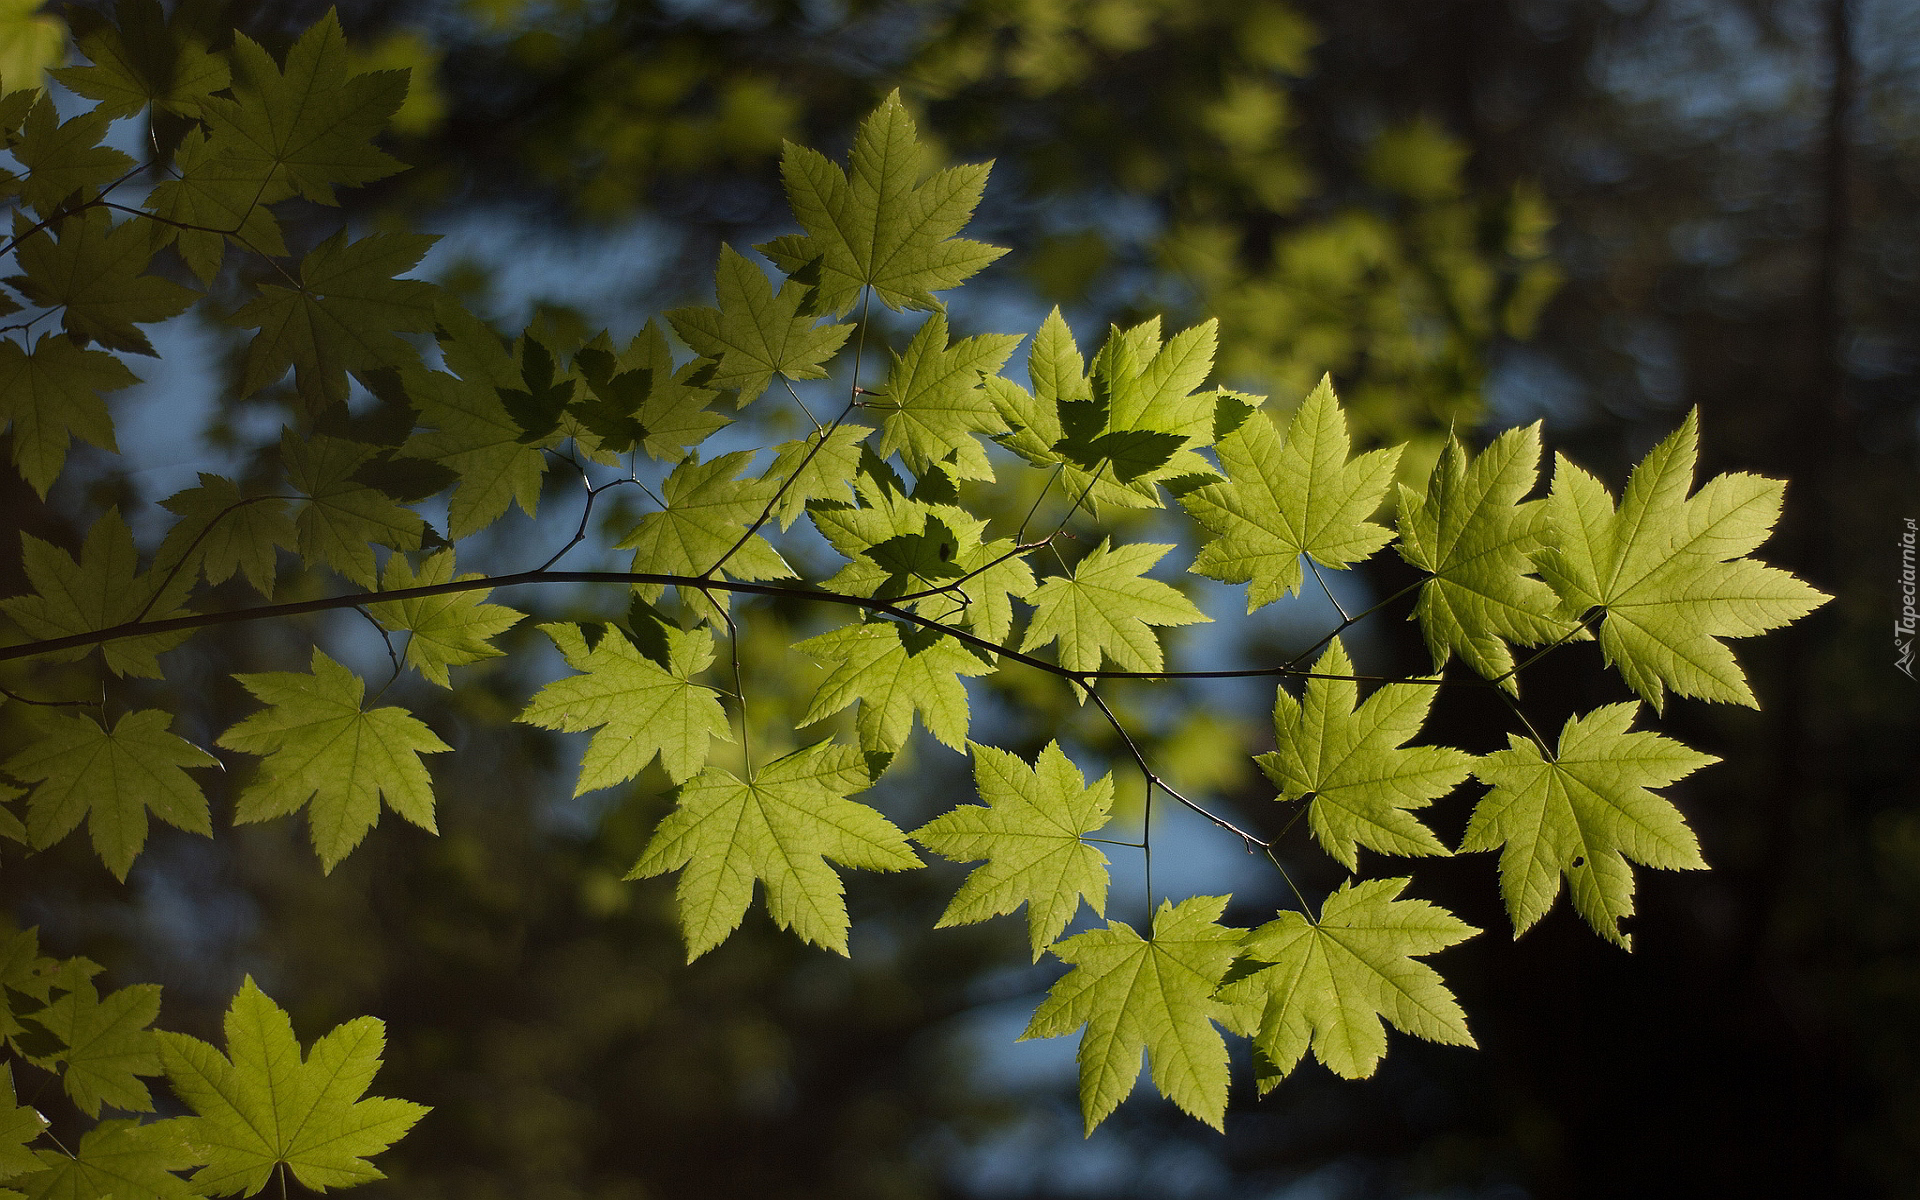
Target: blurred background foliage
[1474, 213]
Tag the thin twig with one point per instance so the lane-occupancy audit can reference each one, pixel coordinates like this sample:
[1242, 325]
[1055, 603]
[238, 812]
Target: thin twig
[884, 607]
[1154, 780]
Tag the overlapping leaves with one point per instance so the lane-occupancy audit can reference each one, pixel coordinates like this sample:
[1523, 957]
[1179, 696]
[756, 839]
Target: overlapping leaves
[1661, 577]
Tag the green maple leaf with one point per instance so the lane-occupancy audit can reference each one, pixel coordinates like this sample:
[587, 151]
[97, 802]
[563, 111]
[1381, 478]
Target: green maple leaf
[111, 777]
[779, 827]
[344, 518]
[213, 196]
[1153, 994]
[346, 315]
[1106, 606]
[1029, 831]
[62, 158]
[1333, 981]
[821, 467]
[91, 269]
[1583, 812]
[1473, 534]
[321, 747]
[24, 970]
[471, 433]
[882, 227]
[708, 513]
[755, 334]
[51, 395]
[105, 588]
[899, 545]
[1087, 472]
[894, 675]
[639, 707]
[639, 398]
[12, 827]
[934, 401]
[1059, 375]
[1131, 426]
[539, 397]
[1143, 409]
[121, 1160]
[269, 1106]
[1289, 496]
[106, 1044]
[140, 61]
[222, 533]
[443, 631]
[1669, 570]
[1352, 761]
[20, 1125]
[306, 129]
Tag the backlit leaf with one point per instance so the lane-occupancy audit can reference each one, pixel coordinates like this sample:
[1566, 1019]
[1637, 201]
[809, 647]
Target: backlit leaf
[778, 827]
[321, 746]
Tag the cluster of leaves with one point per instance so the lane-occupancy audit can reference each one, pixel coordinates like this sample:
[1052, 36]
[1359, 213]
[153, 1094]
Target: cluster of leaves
[929, 594]
[261, 1107]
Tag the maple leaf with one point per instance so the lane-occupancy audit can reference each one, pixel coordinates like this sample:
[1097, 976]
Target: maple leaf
[320, 747]
[1153, 994]
[24, 970]
[1106, 606]
[1334, 980]
[1141, 385]
[213, 196]
[1059, 375]
[539, 397]
[346, 315]
[1086, 457]
[63, 158]
[111, 777]
[894, 674]
[472, 433]
[1029, 831]
[19, 1126]
[779, 827]
[1583, 812]
[1135, 423]
[1353, 763]
[882, 227]
[91, 269]
[639, 397]
[1473, 534]
[1669, 570]
[51, 394]
[106, 1044]
[822, 467]
[707, 514]
[121, 1160]
[1288, 496]
[268, 1105]
[222, 533]
[105, 588]
[443, 631]
[306, 129]
[755, 334]
[899, 545]
[933, 400]
[343, 518]
[140, 61]
[639, 707]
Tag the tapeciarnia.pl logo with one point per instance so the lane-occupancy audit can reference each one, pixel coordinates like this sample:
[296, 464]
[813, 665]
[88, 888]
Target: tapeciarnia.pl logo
[1903, 626]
